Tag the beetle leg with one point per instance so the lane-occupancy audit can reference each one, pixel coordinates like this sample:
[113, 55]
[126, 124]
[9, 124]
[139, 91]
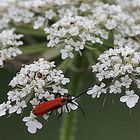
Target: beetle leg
[68, 95]
[67, 109]
[57, 95]
[42, 100]
[50, 113]
[60, 113]
[80, 109]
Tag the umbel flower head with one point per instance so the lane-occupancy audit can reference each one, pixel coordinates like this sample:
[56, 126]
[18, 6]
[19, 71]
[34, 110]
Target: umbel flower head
[44, 11]
[118, 70]
[9, 42]
[33, 83]
[76, 32]
[36, 12]
[132, 7]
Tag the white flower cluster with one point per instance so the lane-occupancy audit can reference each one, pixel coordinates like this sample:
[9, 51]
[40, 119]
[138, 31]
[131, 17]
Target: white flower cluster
[37, 12]
[38, 4]
[121, 42]
[9, 45]
[114, 18]
[34, 83]
[44, 10]
[132, 7]
[17, 14]
[42, 20]
[14, 12]
[5, 4]
[76, 24]
[74, 33]
[118, 70]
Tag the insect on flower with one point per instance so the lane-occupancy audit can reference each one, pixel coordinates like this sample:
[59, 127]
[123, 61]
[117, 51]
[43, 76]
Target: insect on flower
[47, 107]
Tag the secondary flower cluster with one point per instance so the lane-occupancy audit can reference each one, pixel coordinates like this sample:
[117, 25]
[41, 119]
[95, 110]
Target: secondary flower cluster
[33, 83]
[36, 12]
[132, 7]
[39, 13]
[74, 33]
[44, 11]
[118, 71]
[9, 45]
[73, 25]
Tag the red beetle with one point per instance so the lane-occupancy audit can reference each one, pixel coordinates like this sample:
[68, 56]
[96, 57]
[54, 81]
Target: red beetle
[49, 106]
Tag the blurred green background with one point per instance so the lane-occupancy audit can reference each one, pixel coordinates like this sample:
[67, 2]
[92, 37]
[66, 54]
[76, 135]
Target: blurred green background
[112, 122]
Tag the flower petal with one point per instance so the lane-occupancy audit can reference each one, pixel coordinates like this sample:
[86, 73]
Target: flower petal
[2, 112]
[90, 92]
[124, 98]
[136, 98]
[32, 128]
[73, 106]
[45, 116]
[13, 109]
[130, 102]
[59, 110]
[37, 124]
[26, 119]
[94, 95]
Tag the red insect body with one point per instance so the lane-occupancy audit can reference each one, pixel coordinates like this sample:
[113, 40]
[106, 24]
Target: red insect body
[48, 106]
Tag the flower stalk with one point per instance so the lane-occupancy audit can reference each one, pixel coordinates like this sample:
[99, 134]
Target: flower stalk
[69, 124]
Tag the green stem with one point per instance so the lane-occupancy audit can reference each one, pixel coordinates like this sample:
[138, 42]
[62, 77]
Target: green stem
[28, 30]
[33, 49]
[69, 122]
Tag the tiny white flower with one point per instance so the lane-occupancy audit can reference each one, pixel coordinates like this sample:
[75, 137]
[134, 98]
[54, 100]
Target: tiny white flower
[58, 89]
[84, 7]
[50, 14]
[130, 98]
[74, 31]
[45, 116]
[67, 52]
[126, 81]
[32, 123]
[97, 90]
[111, 24]
[68, 107]
[34, 102]
[64, 81]
[39, 22]
[4, 107]
[18, 107]
[138, 83]
[116, 87]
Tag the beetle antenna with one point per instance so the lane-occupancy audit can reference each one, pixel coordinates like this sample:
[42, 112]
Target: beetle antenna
[81, 93]
[80, 109]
